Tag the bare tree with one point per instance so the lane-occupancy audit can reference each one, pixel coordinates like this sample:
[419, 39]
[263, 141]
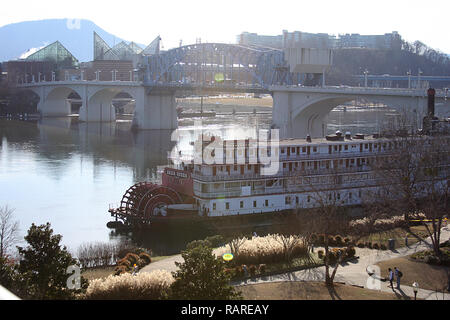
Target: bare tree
[9, 230]
[416, 175]
[330, 216]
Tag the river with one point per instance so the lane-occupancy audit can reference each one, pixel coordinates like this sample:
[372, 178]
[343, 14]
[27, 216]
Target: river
[67, 173]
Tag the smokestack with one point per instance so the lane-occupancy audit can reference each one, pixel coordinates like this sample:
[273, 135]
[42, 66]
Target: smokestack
[431, 92]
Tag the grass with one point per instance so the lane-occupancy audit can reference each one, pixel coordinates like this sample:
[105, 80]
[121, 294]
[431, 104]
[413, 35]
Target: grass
[233, 101]
[98, 273]
[428, 276]
[296, 290]
[398, 234]
[295, 263]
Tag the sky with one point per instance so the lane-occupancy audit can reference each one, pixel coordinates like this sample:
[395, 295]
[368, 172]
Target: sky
[222, 21]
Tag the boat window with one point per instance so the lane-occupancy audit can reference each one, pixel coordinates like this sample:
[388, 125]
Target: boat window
[227, 205]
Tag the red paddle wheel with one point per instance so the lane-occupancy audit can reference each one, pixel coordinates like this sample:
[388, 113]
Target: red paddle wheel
[144, 200]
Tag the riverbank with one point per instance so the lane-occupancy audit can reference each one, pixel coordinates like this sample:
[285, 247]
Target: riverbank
[227, 104]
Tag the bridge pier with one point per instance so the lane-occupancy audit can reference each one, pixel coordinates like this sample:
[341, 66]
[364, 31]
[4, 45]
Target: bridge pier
[155, 110]
[54, 108]
[298, 114]
[97, 112]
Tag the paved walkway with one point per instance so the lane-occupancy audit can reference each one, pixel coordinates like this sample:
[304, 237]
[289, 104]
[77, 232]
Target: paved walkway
[350, 273]
[355, 273]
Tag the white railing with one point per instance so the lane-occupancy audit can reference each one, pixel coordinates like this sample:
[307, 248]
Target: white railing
[362, 90]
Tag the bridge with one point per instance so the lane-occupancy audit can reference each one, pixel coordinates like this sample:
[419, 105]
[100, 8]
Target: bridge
[299, 111]
[206, 68]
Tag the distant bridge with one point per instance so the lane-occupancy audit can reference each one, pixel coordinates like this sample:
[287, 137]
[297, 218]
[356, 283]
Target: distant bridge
[214, 68]
[214, 63]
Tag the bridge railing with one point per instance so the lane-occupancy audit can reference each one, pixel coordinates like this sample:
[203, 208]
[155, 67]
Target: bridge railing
[443, 93]
[371, 90]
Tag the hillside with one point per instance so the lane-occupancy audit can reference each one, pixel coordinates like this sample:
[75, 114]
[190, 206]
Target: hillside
[348, 62]
[18, 38]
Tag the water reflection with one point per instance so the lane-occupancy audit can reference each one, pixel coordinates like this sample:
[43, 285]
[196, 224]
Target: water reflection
[67, 173]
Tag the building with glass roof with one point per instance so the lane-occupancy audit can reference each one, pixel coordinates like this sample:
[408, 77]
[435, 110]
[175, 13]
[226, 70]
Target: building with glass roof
[55, 53]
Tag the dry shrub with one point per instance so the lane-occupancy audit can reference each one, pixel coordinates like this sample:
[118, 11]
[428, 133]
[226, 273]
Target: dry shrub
[146, 257]
[268, 249]
[124, 262]
[120, 269]
[142, 286]
[132, 257]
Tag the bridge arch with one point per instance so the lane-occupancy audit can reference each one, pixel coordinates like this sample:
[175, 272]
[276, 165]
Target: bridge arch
[99, 106]
[298, 114]
[54, 100]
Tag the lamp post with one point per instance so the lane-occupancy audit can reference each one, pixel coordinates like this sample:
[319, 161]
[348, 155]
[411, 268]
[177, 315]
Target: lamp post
[365, 77]
[113, 75]
[415, 286]
[418, 80]
[409, 79]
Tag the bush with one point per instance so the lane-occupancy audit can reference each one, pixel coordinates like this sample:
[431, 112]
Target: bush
[300, 250]
[141, 263]
[368, 245]
[331, 241]
[361, 245]
[375, 246]
[351, 252]
[383, 247]
[132, 257]
[431, 259]
[198, 243]
[239, 271]
[252, 270]
[262, 268]
[338, 241]
[146, 257]
[268, 249]
[125, 263]
[332, 256]
[146, 285]
[320, 254]
[120, 269]
[216, 241]
[346, 240]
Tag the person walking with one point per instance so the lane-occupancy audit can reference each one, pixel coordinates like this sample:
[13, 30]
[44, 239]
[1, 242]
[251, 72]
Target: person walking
[391, 279]
[398, 275]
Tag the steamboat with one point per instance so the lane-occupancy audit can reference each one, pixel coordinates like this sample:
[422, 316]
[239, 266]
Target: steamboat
[244, 180]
